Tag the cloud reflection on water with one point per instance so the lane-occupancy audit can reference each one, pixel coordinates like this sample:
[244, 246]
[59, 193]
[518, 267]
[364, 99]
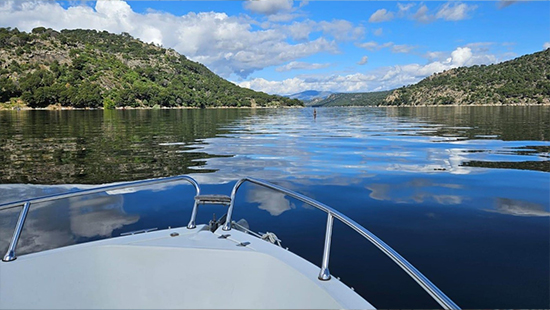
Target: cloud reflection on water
[99, 217]
[271, 201]
[349, 144]
[418, 190]
[59, 223]
[55, 224]
[352, 145]
[344, 147]
[518, 208]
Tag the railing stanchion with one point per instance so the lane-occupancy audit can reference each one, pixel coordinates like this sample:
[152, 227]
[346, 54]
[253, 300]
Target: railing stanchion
[227, 225]
[10, 254]
[192, 224]
[324, 274]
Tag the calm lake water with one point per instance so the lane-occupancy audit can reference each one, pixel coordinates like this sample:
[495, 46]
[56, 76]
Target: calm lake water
[462, 192]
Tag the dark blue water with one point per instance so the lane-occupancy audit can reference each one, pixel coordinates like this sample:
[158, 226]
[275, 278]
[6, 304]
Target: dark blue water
[462, 193]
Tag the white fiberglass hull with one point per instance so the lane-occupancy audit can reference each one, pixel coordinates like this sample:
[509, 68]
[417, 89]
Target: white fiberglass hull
[176, 268]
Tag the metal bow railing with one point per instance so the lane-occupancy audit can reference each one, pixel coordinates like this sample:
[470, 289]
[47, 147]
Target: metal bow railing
[11, 252]
[324, 273]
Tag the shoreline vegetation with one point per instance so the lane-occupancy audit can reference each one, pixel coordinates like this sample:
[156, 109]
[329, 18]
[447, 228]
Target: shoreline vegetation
[4, 107]
[8, 107]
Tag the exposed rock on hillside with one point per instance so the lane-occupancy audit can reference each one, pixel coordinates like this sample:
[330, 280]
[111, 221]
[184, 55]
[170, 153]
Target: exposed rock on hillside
[90, 69]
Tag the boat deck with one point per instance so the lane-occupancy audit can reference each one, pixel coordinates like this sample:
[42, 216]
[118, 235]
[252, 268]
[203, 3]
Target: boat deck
[174, 268]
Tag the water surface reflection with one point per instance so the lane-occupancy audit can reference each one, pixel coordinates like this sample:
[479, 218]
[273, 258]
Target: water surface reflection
[461, 192]
[519, 208]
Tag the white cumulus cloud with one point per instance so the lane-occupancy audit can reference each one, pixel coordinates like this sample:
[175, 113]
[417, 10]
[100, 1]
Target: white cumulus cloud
[377, 79]
[287, 86]
[546, 45]
[461, 55]
[268, 7]
[228, 45]
[381, 15]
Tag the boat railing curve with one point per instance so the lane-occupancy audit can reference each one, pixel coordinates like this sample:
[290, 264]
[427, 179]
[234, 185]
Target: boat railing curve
[11, 252]
[324, 273]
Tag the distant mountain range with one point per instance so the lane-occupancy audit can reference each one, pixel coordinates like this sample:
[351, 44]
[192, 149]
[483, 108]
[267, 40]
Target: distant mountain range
[352, 99]
[310, 95]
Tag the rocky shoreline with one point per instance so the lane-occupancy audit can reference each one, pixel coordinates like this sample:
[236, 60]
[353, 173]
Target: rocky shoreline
[63, 108]
[55, 108]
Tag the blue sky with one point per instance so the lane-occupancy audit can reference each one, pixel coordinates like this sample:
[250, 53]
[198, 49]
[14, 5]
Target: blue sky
[285, 46]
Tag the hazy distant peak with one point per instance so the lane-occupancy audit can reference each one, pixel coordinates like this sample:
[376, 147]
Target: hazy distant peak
[309, 95]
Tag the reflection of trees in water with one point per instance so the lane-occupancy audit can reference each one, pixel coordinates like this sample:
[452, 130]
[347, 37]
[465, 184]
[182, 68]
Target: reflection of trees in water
[57, 147]
[506, 123]
[521, 165]
[509, 123]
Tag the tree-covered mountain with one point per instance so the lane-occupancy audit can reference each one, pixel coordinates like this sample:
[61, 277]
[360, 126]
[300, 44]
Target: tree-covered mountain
[524, 80]
[90, 69]
[353, 99]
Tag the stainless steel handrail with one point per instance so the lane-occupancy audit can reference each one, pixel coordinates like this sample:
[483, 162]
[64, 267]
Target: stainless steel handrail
[10, 254]
[324, 274]
[207, 199]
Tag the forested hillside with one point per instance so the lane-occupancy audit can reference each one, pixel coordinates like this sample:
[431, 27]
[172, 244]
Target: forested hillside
[524, 80]
[91, 69]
